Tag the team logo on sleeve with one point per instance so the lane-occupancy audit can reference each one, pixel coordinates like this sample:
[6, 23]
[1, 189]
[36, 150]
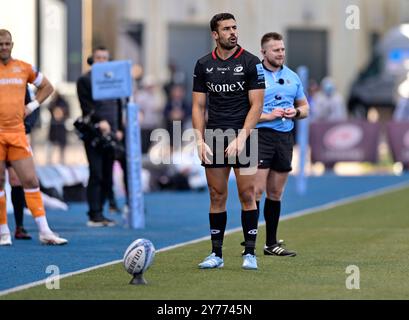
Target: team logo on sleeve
[260, 72]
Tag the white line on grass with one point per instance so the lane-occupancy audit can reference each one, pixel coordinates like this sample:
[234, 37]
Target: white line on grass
[293, 215]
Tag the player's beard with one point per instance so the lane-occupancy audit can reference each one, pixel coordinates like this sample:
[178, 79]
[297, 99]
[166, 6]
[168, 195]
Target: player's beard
[227, 45]
[275, 63]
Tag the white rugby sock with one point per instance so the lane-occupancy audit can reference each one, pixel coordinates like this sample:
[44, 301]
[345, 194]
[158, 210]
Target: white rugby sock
[42, 224]
[4, 228]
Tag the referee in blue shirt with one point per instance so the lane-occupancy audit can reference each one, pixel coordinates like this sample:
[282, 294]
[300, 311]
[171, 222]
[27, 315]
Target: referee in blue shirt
[284, 102]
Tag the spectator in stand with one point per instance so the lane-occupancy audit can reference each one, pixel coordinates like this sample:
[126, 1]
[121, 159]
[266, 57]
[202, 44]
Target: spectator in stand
[176, 77]
[329, 105]
[150, 101]
[57, 134]
[176, 109]
[313, 89]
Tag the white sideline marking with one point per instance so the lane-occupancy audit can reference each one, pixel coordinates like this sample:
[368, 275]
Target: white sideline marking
[293, 215]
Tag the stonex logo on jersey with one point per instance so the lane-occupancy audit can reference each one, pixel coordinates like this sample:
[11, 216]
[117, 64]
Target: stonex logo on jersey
[233, 87]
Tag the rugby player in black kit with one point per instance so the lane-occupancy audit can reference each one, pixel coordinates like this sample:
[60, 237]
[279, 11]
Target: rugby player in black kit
[229, 81]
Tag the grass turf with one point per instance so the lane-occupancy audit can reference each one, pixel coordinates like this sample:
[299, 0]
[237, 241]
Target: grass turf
[372, 234]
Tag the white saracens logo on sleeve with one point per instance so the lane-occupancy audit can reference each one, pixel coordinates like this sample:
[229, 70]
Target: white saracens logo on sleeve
[225, 87]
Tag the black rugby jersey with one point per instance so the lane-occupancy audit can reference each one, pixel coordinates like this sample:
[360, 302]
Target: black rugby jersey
[227, 83]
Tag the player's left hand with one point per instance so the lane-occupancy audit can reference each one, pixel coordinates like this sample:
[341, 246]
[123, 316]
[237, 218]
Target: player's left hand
[30, 107]
[235, 147]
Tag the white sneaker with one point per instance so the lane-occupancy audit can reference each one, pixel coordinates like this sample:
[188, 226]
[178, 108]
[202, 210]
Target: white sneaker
[5, 239]
[52, 239]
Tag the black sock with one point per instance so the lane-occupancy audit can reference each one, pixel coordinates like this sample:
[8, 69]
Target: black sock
[218, 223]
[18, 200]
[272, 211]
[249, 222]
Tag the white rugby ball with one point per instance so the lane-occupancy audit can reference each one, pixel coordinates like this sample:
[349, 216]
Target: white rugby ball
[139, 256]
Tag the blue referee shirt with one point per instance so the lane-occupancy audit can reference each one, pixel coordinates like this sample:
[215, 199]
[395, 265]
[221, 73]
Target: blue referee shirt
[283, 87]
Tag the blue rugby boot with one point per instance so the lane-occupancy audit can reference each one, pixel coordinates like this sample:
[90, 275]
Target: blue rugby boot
[212, 262]
[249, 262]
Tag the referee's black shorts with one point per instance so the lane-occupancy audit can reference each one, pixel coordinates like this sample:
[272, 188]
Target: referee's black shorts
[219, 139]
[275, 150]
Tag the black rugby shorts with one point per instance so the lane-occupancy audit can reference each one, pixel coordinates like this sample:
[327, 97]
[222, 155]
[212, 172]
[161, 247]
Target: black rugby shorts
[275, 150]
[219, 139]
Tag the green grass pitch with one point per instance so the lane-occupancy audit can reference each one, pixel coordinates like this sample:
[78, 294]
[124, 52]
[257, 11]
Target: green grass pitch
[372, 234]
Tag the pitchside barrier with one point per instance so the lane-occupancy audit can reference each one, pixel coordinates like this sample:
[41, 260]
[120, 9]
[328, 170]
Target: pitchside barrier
[332, 142]
[112, 80]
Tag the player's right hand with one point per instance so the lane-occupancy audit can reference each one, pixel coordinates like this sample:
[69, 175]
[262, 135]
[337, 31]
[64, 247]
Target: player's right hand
[203, 151]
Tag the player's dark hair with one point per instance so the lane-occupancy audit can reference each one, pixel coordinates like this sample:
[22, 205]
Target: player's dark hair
[90, 59]
[271, 36]
[100, 48]
[214, 23]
